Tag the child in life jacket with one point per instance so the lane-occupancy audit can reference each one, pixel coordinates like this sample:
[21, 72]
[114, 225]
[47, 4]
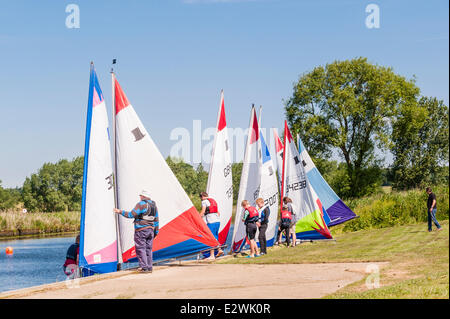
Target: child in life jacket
[251, 221]
[285, 222]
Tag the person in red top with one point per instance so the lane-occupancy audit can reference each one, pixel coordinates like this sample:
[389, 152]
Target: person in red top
[71, 264]
[285, 222]
[251, 220]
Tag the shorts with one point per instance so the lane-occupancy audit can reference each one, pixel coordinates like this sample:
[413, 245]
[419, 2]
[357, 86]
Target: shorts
[251, 231]
[214, 228]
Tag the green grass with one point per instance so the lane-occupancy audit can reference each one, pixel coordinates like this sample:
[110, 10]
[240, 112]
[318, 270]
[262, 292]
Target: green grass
[418, 260]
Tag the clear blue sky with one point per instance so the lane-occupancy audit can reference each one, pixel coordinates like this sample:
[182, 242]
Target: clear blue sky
[175, 56]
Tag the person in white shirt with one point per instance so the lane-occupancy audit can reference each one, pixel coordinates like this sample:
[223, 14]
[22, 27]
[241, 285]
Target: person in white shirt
[210, 215]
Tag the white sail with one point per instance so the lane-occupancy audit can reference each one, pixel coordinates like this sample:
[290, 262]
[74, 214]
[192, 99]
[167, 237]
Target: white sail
[268, 189]
[250, 181]
[98, 244]
[310, 223]
[220, 182]
[140, 165]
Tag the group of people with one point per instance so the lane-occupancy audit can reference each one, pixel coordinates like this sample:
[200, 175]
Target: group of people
[258, 219]
[146, 227]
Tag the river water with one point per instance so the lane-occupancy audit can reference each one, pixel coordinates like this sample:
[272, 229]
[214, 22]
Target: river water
[38, 261]
[35, 261]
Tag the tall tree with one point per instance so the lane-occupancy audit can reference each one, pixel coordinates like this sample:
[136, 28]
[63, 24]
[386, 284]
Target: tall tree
[347, 105]
[420, 144]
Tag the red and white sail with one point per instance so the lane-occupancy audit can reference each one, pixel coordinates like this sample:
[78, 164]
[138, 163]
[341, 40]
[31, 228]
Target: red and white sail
[140, 165]
[250, 181]
[220, 181]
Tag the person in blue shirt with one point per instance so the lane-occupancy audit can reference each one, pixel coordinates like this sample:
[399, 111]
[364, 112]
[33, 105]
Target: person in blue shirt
[146, 227]
[264, 213]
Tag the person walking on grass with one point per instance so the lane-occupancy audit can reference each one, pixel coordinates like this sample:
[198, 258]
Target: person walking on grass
[431, 210]
[210, 214]
[250, 219]
[264, 213]
[146, 227]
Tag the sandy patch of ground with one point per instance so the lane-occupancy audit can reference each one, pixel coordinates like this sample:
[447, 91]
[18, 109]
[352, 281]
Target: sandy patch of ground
[210, 281]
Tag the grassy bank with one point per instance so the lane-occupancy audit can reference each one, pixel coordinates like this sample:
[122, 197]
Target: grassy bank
[14, 224]
[418, 260]
[392, 208]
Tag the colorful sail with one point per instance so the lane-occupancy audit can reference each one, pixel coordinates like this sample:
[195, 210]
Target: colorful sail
[310, 220]
[268, 190]
[140, 165]
[220, 182]
[337, 211]
[250, 182]
[98, 242]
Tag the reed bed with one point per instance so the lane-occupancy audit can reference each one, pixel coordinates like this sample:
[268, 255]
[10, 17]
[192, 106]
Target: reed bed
[13, 223]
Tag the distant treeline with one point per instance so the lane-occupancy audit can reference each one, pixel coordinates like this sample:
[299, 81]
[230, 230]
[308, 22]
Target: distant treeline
[352, 108]
[57, 186]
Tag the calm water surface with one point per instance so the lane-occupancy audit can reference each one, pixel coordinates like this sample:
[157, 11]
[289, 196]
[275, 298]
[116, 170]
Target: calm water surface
[35, 261]
[38, 261]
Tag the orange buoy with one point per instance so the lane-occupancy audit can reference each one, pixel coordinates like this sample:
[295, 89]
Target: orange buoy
[9, 250]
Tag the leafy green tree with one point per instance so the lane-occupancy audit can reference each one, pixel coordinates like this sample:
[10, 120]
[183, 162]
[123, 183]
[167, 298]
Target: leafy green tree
[236, 171]
[56, 187]
[9, 198]
[420, 144]
[347, 105]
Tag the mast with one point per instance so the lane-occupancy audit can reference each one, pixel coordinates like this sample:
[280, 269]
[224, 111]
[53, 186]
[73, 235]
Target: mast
[119, 253]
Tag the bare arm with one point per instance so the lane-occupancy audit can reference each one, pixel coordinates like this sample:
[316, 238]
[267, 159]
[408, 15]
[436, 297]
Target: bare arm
[202, 212]
[432, 205]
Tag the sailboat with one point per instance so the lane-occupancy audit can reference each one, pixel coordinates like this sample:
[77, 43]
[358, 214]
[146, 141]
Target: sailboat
[310, 213]
[249, 186]
[140, 165]
[337, 211]
[98, 242]
[268, 189]
[220, 181]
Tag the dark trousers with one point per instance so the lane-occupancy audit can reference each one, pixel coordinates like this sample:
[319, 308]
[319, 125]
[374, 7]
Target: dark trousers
[262, 238]
[143, 240]
[286, 233]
